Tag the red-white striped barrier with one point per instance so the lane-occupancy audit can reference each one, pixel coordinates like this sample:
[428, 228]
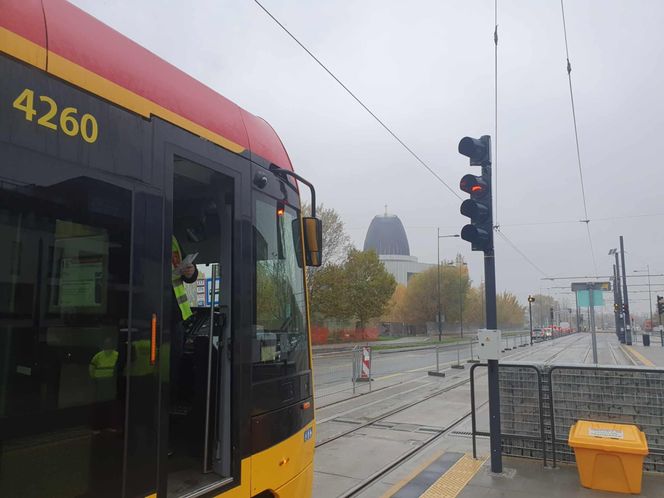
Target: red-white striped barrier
[366, 363]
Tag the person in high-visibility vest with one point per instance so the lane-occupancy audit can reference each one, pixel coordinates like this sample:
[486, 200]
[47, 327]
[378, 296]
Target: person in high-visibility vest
[187, 273]
[180, 310]
[102, 365]
[103, 372]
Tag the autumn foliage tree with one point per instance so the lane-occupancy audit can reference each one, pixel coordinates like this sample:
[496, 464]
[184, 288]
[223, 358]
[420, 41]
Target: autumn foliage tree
[369, 286]
[396, 307]
[510, 312]
[421, 299]
[358, 289]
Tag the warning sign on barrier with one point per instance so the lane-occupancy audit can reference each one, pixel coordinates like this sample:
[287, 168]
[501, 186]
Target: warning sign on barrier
[366, 362]
[609, 433]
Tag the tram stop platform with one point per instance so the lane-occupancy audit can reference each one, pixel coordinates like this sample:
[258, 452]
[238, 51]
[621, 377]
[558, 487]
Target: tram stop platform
[646, 356]
[464, 477]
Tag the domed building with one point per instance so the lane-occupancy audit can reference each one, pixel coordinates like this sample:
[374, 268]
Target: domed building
[387, 236]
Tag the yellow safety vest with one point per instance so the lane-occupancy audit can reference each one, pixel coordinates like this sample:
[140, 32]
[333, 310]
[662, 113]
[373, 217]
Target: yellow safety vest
[102, 365]
[140, 361]
[178, 286]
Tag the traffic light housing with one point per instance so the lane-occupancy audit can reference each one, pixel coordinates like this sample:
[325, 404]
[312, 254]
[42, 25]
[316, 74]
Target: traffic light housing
[531, 299]
[625, 309]
[478, 150]
[479, 207]
[616, 308]
[660, 305]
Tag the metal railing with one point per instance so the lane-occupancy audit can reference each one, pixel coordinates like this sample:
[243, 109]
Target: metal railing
[521, 407]
[540, 403]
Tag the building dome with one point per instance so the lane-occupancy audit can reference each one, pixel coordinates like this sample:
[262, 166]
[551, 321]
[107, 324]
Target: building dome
[387, 236]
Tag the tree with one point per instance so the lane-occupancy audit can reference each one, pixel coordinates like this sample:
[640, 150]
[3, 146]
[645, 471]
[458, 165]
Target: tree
[510, 312]
[421, 301]
[359, 289]
[473, 309]
[369, 286]
[396, 308]
[329, 288]
[542, 309]
[336, 242]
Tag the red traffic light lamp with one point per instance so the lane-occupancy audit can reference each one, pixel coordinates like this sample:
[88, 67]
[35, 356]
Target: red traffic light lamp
[474, 185]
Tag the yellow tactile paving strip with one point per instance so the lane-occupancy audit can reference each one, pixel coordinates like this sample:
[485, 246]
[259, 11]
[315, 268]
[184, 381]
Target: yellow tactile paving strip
[452, 482]
[412, 475]
[644, 361]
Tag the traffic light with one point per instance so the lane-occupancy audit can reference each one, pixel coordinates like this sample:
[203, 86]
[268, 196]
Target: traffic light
[616, 308]
[531, 299]
[660, 305]
[479, 207]
[625, 310]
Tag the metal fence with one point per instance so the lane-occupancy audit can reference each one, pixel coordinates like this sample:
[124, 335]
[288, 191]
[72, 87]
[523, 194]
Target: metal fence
[522, 412]
[540, 403]
[628, 395]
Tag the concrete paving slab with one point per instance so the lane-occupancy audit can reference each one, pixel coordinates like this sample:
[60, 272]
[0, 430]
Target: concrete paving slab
[648, 356]
[533, 479]
[366, 451]
[331, 485]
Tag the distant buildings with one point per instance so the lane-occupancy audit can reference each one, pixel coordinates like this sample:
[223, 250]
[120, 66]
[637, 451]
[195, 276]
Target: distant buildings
[387, 236]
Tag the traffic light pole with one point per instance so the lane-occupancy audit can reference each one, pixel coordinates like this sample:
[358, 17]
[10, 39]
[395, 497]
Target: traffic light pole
[494, 391]
[621, 320]
[480, 234]
[628, 320]
[440, 322]
[616, 306]
[591, 299]
[530, 316]
[578, 312]
[492, 324]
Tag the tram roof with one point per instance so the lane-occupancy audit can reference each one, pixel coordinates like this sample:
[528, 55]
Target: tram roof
[68, 43]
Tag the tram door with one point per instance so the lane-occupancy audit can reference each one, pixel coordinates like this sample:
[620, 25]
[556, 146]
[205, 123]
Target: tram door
[199, 325]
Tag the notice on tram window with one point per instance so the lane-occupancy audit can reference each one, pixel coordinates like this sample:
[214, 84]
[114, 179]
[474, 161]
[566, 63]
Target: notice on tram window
[607, 433]
[81, 282]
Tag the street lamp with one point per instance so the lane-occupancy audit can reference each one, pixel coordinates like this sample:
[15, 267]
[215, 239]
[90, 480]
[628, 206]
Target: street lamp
[461, 265]
[440, 313]
[617, 298]
[531, 299]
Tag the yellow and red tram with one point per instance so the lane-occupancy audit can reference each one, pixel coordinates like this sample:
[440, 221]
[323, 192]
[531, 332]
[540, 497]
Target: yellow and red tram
[109, 158]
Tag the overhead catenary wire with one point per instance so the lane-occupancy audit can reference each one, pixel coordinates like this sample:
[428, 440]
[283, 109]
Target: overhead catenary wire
[586, 219]
[569, 222]
[520, 252]
[360, 102]
[495, 99]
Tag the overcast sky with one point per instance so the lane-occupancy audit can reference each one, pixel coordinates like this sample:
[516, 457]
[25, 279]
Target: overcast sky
[426, 68]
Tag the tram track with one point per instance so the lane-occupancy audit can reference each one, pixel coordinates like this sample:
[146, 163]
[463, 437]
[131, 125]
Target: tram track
[390, 413]
[391, 386]
[404, 407]
[585, 357]
[359, 395]
[554, 356]
[376, 476]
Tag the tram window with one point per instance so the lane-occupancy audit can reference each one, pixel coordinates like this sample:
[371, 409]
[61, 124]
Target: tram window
[279, 342]
[64, 283]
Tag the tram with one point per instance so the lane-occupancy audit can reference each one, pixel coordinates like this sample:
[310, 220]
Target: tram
[118, 172]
